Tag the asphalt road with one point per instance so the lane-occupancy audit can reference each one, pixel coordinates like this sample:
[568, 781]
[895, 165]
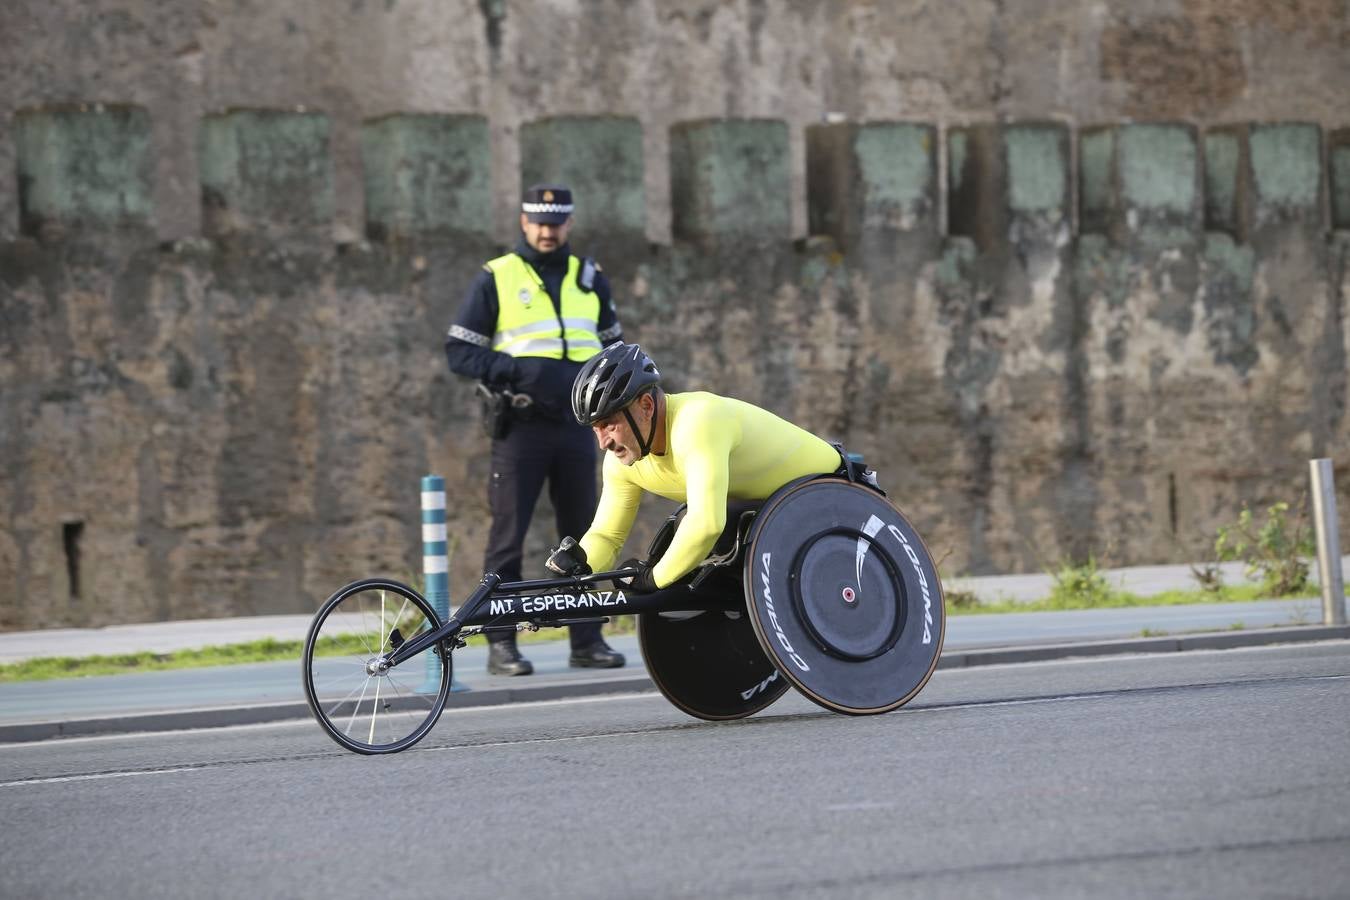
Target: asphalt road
[1198, 774]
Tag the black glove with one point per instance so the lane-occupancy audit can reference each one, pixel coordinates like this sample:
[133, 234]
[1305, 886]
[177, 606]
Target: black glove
[641, 583]
[568, 558]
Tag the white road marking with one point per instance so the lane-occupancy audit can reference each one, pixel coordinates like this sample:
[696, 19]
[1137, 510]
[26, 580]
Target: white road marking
[99, 776]
[862, 806]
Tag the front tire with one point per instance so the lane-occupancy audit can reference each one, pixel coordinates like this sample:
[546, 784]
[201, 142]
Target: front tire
[361, 704]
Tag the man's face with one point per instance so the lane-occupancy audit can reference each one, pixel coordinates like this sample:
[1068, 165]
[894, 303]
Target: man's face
[614, 434]
[544, 237]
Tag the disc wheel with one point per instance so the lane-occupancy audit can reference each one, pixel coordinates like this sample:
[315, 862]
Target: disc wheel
[360, 702]
[844, 596]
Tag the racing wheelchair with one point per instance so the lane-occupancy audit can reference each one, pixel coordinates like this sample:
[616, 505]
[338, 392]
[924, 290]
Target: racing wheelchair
[824, 587]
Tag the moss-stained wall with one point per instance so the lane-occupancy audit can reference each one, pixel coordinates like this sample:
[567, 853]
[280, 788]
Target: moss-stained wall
[1103, 357]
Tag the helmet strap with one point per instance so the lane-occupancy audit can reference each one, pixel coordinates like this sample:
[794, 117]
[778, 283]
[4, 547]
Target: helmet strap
[644, 445]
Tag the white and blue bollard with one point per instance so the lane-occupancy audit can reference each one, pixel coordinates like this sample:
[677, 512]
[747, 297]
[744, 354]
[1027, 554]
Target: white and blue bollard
[436, 569]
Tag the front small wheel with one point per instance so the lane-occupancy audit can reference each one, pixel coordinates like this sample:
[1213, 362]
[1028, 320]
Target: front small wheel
[359, 701]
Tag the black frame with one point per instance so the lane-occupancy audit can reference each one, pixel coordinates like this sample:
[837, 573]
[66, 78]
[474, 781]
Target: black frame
[498, 604]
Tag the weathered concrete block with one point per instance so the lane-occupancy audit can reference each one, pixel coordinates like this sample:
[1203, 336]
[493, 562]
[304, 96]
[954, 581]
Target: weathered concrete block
[1038, 169]
[1007, 182]
[1159, 174]
[1228, 181]
[427, 174]
[1038, 181]
[1140, 183]
[1338, 163]
[730, 178]
[599, 158]
[84, 166]
[265, 171]
[879, 177]
[1286, 173]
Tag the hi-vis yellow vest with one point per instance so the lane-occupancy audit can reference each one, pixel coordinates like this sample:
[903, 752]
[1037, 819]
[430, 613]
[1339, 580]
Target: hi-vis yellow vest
[527, 323]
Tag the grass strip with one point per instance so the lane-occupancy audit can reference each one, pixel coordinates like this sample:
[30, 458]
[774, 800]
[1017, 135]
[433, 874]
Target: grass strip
[964, 603]
[45, 668]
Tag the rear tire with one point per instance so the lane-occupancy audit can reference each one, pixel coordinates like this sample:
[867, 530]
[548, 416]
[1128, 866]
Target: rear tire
[709, 664]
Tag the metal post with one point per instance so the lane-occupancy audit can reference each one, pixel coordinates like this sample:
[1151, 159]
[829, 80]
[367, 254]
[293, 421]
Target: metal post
[436, 569]
[1328, 541]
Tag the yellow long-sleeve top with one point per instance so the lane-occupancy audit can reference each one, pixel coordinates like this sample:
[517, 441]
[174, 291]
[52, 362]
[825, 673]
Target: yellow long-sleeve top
[717, 449]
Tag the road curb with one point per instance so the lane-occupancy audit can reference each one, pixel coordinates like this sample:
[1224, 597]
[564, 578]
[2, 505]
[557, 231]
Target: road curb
[253, 714]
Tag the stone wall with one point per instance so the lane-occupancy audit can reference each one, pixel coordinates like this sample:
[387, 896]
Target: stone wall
[237, 423]
[1072, 302]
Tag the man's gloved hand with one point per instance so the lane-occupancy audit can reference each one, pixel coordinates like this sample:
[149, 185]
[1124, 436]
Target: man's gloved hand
[568, 558]
[643, 582]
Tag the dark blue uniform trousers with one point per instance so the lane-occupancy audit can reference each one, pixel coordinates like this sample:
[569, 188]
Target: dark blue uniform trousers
[532, 452]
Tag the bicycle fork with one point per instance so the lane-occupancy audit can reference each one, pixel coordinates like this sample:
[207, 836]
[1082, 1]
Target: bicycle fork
[410, 648]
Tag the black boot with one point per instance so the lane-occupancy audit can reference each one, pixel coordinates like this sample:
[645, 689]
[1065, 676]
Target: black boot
[505, 659]
[596, 656]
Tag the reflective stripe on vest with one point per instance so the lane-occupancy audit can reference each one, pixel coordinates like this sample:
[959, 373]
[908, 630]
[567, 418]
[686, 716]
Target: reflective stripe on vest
[528, 324]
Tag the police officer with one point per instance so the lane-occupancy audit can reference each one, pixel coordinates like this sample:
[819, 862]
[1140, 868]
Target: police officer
[531, 319]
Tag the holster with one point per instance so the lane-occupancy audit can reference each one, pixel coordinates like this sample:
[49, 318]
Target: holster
[496, 411]
[500, 407]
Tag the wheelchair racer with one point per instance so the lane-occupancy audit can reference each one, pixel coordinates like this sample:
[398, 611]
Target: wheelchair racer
[697, 448]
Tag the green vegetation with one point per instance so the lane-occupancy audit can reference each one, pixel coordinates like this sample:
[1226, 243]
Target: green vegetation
[1081, 587]
[1277, 551]
[959, 601]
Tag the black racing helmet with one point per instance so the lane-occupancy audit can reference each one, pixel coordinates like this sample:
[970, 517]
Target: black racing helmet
[610, 380]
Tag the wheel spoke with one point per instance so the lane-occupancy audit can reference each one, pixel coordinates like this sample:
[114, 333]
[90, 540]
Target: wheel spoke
[375, 709]
[365, 628]
[401, 610]
[336, 679]
[408, 695]
[381, 621]
[359, 700]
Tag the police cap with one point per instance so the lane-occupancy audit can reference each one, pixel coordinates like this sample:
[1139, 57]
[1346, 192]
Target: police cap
[548, 204]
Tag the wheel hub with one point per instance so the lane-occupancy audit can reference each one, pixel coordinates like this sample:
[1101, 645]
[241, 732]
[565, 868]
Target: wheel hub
[377, 666]
[844, 591]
